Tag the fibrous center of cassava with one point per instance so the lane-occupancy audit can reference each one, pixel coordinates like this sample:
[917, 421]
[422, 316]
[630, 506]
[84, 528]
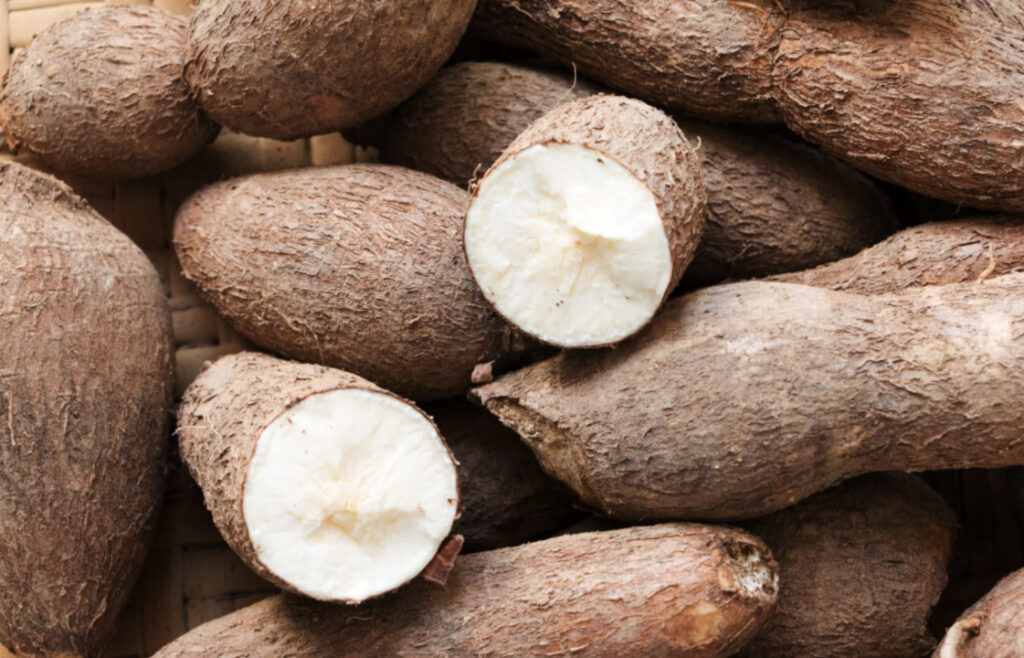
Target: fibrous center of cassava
[568, 245]
[349, 494]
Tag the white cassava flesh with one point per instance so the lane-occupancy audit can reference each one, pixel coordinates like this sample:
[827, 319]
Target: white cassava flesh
[348, 491]
[580, 230]
[569, 246]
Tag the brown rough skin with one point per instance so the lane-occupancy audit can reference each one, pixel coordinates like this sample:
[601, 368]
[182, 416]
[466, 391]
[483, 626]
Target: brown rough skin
[666, 590]
[861, 566]
[85, 397]
[358, 267]
[991, 628]
[221, 418]
[292, 68]
[774, 205]
[970, 249]
[462, 120]
[742, 399]
[102, 94]
[922, 93]
[507, 499]
[708, 58]
[645, 141]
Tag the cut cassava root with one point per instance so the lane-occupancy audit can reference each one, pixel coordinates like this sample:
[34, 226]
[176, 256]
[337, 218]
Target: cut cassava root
[708, 58]
[861, 566]
[323, 483]
[358, 267]
[774, 205]
[295, 69]
[991, 628]
[666, 590]
[922, 93]
[506, 498]
[85, 401]
[101, 94]
[585, 224]
[745, 398]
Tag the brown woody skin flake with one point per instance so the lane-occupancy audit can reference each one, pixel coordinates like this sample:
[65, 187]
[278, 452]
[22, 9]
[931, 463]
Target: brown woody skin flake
[507, 499]
[85, 405]
[666, 590]
[921, 93]
[991, 628]
[774, 204]
[290, 69]
[358, 267]
[707, 58]
[960, 251]
[861, 566]
[102, 94]
[745, 398]
[220, 421]
[648, 144]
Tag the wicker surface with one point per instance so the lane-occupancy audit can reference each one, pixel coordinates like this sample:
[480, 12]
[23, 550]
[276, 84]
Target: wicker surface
[191, 576]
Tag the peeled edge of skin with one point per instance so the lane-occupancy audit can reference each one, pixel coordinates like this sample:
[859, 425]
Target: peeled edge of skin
[349, 494]
[568, 245]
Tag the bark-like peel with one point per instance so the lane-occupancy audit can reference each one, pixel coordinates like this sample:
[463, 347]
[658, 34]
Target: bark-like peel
[745, 398]
[102, 94]
[922, 93]
[658, 591]
[861, 567]
[287, 69]
[358, 267]
[708, 58]
[85, 397]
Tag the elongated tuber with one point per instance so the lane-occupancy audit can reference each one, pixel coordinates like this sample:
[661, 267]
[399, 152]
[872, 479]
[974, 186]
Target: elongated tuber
[658, 591]
[321, 482]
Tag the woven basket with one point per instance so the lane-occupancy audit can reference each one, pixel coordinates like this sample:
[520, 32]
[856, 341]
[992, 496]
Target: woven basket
[191, 576]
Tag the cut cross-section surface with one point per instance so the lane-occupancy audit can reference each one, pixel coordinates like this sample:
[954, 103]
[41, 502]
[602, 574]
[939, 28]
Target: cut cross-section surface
[568, 245]
[322, 483]
[350, 494]
[582, 227]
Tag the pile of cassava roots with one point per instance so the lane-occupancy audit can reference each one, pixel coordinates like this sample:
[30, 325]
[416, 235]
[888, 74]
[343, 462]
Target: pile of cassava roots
[627, 343]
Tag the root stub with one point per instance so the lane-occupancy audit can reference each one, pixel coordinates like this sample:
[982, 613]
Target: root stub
[347, 493]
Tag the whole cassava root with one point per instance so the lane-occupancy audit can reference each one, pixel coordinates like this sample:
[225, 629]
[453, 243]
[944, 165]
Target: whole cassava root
[507, 499]
[774, 205]
[358, 267]
[320, 481]
[587, 221]
[101, 94]
[85, 397]
[958, 251]
[742, 399]
[861, 566]
[708, 58]
[666, 590]
[457, 125]
[921, 93]
[317, 67]
[991, 628]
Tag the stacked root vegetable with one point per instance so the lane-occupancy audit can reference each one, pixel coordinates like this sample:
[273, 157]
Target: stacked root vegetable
[560, 294]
